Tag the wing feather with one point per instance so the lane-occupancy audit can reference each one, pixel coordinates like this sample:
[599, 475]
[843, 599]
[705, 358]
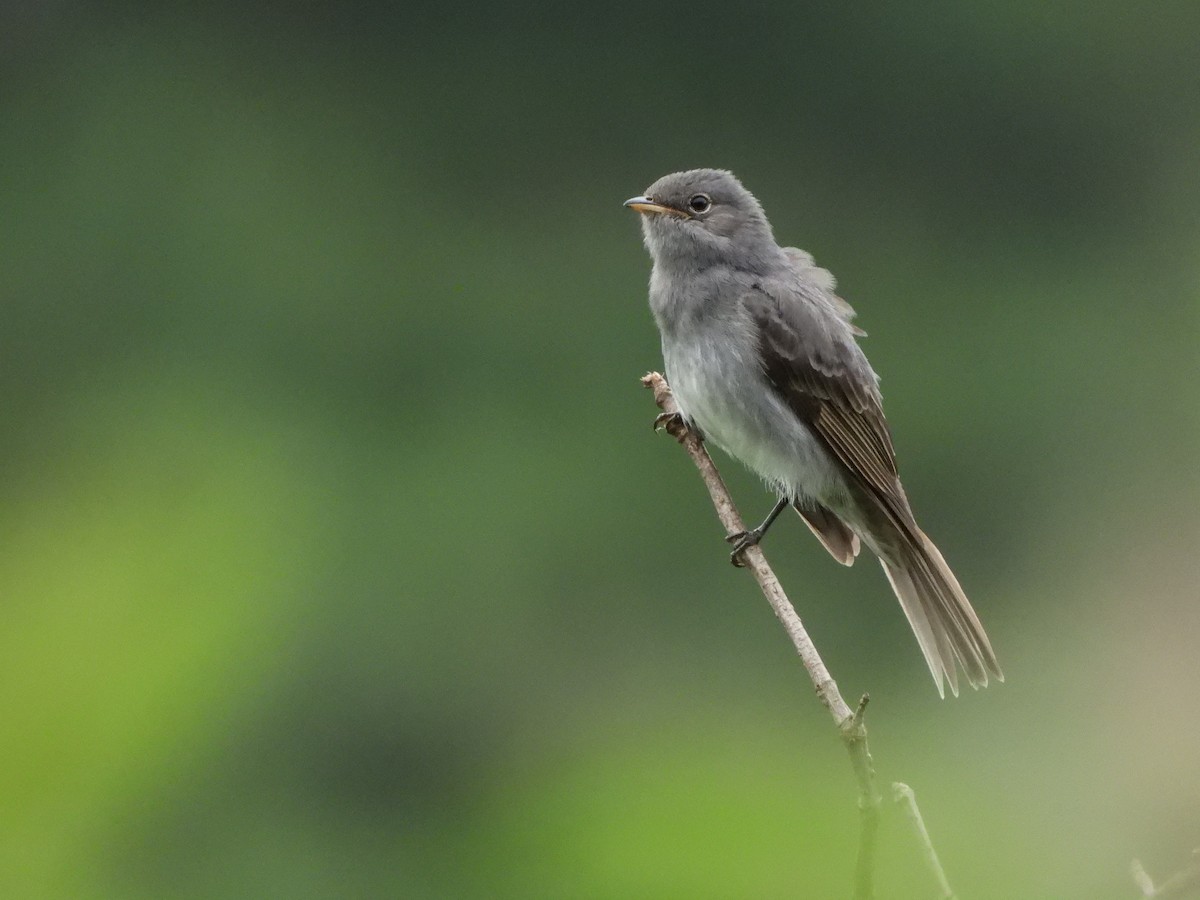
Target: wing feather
[811, 359]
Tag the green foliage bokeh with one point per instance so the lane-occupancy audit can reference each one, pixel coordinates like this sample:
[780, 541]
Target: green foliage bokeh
[338, 557]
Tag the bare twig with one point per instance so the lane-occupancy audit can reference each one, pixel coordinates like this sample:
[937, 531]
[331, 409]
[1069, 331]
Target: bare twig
[1142, 878]
[1183, 882]
[850, 724]
[903, 795]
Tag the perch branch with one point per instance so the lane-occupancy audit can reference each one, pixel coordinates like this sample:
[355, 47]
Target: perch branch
[850, 725]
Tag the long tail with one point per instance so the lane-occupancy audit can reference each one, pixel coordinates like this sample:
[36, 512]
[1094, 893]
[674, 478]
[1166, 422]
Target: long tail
[946, 626]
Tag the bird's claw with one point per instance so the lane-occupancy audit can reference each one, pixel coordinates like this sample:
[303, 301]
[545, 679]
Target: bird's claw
[741, 540]
[673, 424]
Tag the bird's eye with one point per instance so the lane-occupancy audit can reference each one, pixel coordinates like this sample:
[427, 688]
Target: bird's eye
[699, 203]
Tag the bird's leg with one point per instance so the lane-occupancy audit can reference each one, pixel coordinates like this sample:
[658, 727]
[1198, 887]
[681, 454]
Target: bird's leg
[674, 425]
[744, 539]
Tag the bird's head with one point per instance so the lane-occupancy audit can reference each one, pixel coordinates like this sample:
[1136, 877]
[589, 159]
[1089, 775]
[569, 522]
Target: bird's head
[705, 217]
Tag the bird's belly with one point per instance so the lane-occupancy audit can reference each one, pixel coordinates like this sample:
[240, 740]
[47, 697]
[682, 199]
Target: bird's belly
[729, 399]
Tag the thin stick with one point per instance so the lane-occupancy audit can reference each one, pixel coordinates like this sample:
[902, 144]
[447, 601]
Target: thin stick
[1179, 884]
[851, 728]
[1142, 878]
[903, 794]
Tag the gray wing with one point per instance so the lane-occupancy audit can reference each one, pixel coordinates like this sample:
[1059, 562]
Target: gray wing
[808, 270]
[810, 357]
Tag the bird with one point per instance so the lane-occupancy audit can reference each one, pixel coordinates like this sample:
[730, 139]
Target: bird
[763, 360]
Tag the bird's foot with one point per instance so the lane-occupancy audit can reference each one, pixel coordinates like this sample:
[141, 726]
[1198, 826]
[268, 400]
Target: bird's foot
[672, 423]
[741, 541]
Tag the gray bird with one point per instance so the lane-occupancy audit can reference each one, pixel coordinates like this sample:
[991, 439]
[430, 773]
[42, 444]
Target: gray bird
[761, 356]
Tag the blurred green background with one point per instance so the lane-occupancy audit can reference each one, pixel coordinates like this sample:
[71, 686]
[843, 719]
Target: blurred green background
[339, 559]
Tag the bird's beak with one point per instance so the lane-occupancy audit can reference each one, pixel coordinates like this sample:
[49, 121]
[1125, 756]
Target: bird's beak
[646, 205]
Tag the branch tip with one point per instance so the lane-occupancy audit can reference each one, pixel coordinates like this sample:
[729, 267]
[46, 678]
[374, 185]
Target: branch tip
[1142, 878]
[1177, 885]
[861, 710]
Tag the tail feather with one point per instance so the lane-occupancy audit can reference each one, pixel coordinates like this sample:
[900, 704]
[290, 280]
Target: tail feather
[932, 640]
[834, 534]
[947, 629]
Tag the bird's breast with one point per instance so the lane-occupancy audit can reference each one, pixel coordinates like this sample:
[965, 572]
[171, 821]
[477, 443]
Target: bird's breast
[719, 385]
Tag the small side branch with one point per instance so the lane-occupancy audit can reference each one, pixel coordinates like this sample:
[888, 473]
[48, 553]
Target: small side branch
[903, 795]
[1185, 882]
[850, 724]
